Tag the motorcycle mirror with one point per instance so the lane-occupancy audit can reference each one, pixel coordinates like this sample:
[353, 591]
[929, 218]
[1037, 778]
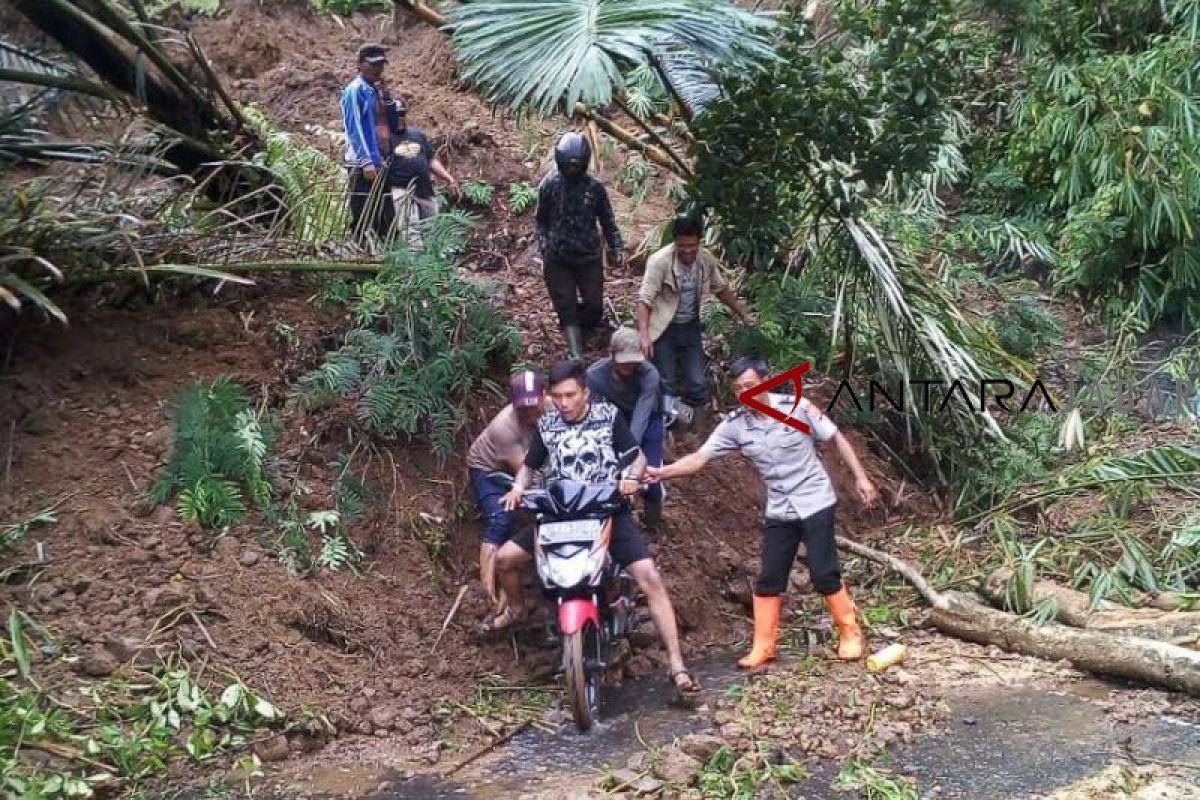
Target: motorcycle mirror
[628, 457]
[501, 478]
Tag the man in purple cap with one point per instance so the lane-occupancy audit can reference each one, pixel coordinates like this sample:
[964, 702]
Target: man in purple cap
[501, 448]
[364, 157]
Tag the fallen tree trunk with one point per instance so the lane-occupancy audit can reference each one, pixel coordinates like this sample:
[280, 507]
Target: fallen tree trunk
[1147, 660]
[1101, 652]
[203, 140]
[1075, 609]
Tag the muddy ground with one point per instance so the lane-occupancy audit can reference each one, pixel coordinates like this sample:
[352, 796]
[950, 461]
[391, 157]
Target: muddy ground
[83, 425]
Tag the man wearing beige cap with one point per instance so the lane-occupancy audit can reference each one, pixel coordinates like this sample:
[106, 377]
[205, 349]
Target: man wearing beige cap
[632, 384]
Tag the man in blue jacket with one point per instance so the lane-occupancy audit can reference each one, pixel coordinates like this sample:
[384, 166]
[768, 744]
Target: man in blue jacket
[628, 381]
[362, 100]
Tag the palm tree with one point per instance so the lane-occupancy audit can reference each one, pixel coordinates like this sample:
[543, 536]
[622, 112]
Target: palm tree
[574, 56]
[203, 124]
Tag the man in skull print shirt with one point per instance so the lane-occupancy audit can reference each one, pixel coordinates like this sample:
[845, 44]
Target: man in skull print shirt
[581, 440]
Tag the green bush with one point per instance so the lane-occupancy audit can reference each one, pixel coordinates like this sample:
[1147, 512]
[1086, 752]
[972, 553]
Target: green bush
[793, 323]
[478, 193]
[423, 340]
[1104, 140]
[219, 457]
[991, 470]
[348, 7]
[1025, 327]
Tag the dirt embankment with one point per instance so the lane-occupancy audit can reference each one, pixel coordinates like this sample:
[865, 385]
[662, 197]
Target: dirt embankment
[82, 421]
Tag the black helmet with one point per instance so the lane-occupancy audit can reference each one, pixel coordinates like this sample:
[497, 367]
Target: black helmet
[572, 148]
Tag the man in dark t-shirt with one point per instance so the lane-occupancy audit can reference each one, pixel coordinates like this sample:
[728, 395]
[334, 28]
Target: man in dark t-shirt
[411, 165]
[581, 440]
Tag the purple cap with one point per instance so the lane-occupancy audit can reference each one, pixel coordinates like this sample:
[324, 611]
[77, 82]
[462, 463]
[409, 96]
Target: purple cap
[526, 388]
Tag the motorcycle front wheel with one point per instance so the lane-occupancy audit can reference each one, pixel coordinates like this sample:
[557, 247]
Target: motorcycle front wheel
[582, 684]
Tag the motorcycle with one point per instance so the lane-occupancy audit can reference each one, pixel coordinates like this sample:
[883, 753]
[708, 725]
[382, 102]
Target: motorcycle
[595, 597]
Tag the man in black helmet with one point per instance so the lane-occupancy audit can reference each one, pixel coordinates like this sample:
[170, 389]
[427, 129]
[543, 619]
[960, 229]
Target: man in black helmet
[570, 204]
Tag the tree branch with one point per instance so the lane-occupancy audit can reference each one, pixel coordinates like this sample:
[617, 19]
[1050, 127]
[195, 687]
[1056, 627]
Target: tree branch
[422, 12]
[629, 140]
[684, 169]
[961, 616]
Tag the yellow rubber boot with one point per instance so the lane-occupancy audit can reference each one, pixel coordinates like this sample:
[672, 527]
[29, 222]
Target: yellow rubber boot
[851, 643]
[766, 632]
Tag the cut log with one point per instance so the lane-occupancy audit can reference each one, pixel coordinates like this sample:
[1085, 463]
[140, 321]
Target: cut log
[1074, 609]
[1104, 653]
[1101, 652]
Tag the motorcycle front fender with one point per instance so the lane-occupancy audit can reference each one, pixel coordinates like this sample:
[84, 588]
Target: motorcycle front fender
[572, 614]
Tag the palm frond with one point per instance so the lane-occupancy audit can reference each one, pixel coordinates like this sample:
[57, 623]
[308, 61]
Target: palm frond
[550, 54]
[691, 76]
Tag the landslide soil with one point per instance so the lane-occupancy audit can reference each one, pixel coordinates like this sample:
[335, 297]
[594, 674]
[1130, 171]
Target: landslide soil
[83, 424]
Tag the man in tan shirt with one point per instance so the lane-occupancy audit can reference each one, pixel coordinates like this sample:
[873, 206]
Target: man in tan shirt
[678, 278]
[501, 448]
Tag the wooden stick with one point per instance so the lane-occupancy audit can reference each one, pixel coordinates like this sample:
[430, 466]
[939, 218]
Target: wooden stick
[462, 590]
[12, 434]
[203, 630]
[129, 475]
[487, 726]
[482, 751]
[903, 568]
[69, 753]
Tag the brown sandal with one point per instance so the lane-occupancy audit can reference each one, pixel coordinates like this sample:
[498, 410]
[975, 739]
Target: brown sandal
[687, 692]
[493, 624]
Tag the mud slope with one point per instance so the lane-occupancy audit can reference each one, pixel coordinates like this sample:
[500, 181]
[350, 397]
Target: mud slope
[82, 423]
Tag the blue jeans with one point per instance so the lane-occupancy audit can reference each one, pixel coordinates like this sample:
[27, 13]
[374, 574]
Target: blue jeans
[488, 494]
[679, 357]
[652, 445]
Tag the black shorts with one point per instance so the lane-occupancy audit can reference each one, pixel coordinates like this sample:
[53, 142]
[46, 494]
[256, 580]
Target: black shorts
[628, 545]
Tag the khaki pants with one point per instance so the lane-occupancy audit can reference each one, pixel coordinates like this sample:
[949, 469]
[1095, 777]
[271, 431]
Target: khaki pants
[410, 211]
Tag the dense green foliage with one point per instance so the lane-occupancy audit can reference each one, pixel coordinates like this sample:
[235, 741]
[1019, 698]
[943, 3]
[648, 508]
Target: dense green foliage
[1100, 144]
[313, 184]
[817, 133]
[125, 733]
[219, 457]
[978, 139]
[423, 339]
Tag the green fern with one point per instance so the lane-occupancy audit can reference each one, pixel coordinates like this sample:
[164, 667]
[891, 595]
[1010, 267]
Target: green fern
[335, 553]
[522, 197]
[636, 178]
[219, 457]
[478, 193]
[424, 339]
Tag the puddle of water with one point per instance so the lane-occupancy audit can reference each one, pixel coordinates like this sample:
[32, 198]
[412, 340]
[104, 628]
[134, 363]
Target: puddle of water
[1020, 741]
[999, 743]
[634, 711]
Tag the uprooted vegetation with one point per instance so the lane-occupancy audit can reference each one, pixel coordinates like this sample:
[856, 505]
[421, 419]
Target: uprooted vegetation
[950, 216]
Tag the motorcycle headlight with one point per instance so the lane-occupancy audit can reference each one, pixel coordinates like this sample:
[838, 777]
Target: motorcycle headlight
[584, 567]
